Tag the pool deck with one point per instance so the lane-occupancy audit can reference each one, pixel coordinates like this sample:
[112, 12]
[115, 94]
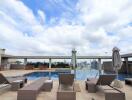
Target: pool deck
[83, 95]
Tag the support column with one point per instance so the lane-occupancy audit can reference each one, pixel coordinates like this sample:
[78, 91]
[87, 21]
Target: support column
[99, 65]
[126, 62]
[5, 63]
[25, 61]
[49, 63]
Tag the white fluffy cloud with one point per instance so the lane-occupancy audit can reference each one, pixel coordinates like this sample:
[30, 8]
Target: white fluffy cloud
[97, 28]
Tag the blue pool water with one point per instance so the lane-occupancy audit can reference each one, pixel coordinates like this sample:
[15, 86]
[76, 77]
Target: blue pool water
[80, 75]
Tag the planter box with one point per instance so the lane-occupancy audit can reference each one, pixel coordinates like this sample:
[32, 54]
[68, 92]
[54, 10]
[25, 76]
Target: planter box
[43, 67]
[29, 67]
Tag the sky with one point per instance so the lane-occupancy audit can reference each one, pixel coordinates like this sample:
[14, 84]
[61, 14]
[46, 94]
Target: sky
[55, 27]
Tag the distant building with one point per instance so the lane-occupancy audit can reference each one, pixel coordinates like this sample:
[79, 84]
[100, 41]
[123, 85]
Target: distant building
[94, 64]
[82, 65]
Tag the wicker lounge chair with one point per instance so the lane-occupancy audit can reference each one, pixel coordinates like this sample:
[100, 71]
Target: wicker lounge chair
[8, 80]
[66, 87]
[4, 88]
[91, 85]
[31, 91]
[15, 83]
[105, 81]
[66, 79]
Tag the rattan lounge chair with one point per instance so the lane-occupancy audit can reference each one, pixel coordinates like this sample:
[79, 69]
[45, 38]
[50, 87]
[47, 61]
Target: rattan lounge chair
[9, 80]
[105, 81]
[66, 87]
[4, 88]
[66, 79]
[92, 84]
[31, 91]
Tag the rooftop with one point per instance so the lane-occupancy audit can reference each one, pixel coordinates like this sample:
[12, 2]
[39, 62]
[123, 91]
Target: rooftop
[83, 95]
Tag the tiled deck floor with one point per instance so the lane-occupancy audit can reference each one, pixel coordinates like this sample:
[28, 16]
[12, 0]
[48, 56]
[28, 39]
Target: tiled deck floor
[83, 95]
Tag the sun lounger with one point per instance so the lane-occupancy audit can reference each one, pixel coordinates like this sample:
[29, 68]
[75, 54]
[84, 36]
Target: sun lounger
[31, 91]
[66, 87]
[91, 85]
[66, 92]
[66, 79]
[15, 82]
[11, 79]
[4, 88]
[112, 93]
[104, 84]
[3, 79]
[8, 80]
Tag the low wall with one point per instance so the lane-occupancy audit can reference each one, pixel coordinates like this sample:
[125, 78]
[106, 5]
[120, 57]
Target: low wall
[17, 66]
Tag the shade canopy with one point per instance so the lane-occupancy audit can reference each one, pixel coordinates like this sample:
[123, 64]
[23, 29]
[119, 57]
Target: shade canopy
[116, 59]
[117, 63]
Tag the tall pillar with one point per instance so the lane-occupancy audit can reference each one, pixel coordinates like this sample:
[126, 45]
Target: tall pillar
[5, 63]
[25, 61]
[99, 65]
[74, 59]
[49, 63]
[126, 62]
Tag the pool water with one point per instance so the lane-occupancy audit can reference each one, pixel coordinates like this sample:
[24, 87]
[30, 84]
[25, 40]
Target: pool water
[80, 75]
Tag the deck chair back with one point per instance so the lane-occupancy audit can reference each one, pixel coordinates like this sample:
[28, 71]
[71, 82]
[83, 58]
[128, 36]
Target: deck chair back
[106, 79]
[3, 79]
[66, 79]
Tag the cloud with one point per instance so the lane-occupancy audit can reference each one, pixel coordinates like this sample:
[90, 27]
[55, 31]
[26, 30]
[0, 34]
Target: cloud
[92, 27]
[41, 16]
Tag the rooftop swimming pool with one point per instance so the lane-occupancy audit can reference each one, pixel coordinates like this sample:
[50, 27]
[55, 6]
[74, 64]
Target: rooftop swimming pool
[80, 75]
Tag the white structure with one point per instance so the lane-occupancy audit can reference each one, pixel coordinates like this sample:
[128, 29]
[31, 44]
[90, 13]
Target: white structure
[2, 51]
[74, 61]
[5, 62]
[74, 58]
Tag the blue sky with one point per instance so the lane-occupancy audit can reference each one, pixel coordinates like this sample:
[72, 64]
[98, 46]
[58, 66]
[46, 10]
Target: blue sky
[54, 27]
[53, 8]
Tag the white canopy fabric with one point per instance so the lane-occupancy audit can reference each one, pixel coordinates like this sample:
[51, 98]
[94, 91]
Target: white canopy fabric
[116, 60]
[117, 63]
